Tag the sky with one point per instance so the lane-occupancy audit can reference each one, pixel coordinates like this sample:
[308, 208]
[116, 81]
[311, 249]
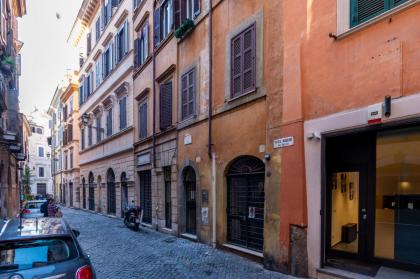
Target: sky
[46, 55]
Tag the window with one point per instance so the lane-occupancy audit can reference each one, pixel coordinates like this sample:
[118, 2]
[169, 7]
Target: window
[185, 9]
[39, 131]
[123, 112]
[98, 129]
[41, 172]
[162, 21]
[106, 13]
[71, 106]
[88, 85]
[82, 135]
[81, 92]
[33, 129]
[90, 135]
[121, 42]
[243, 62]
[142, 45]
[107, 60]
[98, 29]
[40, 151]
[71, 159]
[143, 120]
[165, 105]
[109, 123]
[136, 3]
[187, 94]
[88, 43]
[65, 161]
[98, 72]
[363, 10]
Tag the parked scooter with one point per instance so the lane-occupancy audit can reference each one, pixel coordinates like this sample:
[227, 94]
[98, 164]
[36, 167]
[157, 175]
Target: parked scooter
[133, 216]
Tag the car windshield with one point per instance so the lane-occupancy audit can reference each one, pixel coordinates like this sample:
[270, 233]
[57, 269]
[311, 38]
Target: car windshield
[33, 205]
[20, 255]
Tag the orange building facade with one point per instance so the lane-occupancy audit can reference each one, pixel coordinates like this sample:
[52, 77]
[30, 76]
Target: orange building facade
[350, 89]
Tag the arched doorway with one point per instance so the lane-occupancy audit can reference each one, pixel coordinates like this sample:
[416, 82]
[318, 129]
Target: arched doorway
[83, 193]
[124, 193]
[91, 192]
[111, 199]
[71, 193]
[245, 203]
[190, 201]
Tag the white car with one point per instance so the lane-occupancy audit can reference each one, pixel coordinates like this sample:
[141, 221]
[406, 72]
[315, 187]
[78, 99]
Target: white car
[32, 209]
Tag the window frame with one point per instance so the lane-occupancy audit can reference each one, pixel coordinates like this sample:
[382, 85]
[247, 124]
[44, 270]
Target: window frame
[164, 123]
[39, 172]
[43, 152]
[123, 121]
[143, 131]
[188, 114]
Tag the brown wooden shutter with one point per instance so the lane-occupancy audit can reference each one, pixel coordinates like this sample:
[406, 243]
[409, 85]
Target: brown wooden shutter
[183, 10]
[165, 105]
[248, 51]
[143, 120]
[177, 13]
[184, 96]
[236, 65]
[191, 92]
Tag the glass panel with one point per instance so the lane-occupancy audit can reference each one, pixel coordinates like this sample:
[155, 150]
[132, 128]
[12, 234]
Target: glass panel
[397, 224]
[345, 211]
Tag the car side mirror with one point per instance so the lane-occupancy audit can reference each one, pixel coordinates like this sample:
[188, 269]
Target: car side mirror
[76, 233]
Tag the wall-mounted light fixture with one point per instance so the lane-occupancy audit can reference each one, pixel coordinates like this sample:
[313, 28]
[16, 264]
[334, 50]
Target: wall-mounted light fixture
[387, 106]
[314, 136]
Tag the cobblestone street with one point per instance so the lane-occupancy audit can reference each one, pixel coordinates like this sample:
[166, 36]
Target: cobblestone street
[117, 252]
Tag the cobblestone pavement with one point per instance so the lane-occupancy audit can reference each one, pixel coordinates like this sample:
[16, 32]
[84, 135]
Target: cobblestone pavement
[117, 252]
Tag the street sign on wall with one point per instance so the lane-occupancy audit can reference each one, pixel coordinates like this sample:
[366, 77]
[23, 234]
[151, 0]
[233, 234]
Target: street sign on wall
[283, 142]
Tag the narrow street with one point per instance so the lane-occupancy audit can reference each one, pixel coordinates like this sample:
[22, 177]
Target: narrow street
[117, 252]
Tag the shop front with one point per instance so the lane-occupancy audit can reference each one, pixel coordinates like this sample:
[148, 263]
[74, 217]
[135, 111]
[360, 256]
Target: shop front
[368, 178]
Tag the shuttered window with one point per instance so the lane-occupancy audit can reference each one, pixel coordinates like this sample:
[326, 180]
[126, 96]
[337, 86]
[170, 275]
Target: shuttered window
[184, 9]
[98, 29]
[243, 62]
[162, 21]
[81, 93]
[82, 135]
[165, 105]
[187, 94]
[141, 45]
[88, 43]
[143, 120]
[109, 123]
[121, 43]
[123, 113]
[98, 129]
[90, 135]
[363, 10]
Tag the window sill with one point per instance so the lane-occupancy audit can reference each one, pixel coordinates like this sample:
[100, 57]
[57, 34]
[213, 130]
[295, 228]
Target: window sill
[242, 100]
[377, 19]
[107, 139]
[140, 68]
[163, 43]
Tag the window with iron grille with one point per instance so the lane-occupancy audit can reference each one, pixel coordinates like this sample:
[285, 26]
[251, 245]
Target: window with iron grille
[143, 120]
[363, 10]
[187, 94]
[243, 62]
[162, 22]
[109, 123]
[165, 105]
[184, 9]
[123, 112]
[141, 45]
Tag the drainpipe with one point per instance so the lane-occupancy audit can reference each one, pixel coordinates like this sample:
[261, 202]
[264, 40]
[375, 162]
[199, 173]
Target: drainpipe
[210, 31]
[213, 198]
[154, 107]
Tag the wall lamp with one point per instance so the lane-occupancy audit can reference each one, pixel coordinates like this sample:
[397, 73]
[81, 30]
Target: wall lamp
[314, 136]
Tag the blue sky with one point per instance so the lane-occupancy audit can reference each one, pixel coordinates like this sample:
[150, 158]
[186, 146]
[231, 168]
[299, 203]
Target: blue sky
[45, 55]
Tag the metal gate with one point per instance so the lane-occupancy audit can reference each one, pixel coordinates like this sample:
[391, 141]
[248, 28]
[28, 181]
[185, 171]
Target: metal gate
[146, 195]
[190, 199]
[41, 189]
[124, 193]
[91, 192]
[111, 197]
[168, 197]
[71, 193]
[246, 203]
[84, 196]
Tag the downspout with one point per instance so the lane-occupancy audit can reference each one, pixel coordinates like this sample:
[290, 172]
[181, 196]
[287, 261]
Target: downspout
[210, 149]
[154, 108]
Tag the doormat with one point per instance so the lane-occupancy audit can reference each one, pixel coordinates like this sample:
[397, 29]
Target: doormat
[369, 269]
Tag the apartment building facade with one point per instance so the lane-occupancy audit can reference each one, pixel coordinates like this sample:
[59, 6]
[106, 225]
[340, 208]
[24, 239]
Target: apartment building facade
[353, 93]
[11, 143]
[105, 110]
[40, 154]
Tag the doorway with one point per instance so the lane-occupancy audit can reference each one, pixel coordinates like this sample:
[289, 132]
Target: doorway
[146, 195]
[71, 193]
[111, 192]
[91, 192]
[84, 193]
[190, 201]
[124, 193]
[245, 203]
[168, 197]
[41, 189]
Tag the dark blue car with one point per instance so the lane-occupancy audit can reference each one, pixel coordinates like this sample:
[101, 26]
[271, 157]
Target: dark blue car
[42, 248]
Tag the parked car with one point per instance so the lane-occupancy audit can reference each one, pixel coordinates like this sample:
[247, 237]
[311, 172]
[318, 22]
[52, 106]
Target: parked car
[42, 248]
[32, 209]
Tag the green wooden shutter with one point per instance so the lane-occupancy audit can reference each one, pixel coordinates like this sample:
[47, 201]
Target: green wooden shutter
[363, 10]
[395, 3]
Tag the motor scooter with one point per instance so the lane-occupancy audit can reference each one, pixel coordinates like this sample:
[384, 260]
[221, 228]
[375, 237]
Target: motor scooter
[133, 216]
